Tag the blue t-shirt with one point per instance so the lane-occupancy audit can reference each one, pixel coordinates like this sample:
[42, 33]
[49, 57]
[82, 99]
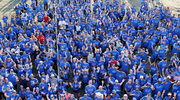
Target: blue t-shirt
[120, 75]
[158, 87]
[12, 78]
[32, 83]
[128, 87]
[145, 98]
[115, 97]
[137, 95]
[8, 93]
[28, 94]
[22, 92]
[90, 90]
[14, 97]
[147, 91]
[162, 65]
[178, 95]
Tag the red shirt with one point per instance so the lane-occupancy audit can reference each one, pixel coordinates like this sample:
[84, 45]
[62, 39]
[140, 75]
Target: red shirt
[112, 62]
[41, 38]
[46, 18]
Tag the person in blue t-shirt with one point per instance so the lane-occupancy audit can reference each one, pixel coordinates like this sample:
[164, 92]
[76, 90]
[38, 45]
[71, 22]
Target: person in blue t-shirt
[167, 84]
[90, 89]
[85, 97]
[169, 97]
[121, 76]
[158, 87]
[147, 89]
[22, 92]
[33, 82]
[37, 93]
[128, 87]
[158, 96]
[43, 87]
[125, 65]
[163, 65]
[147, 97]
[114, 95]
[136, 93]
[28, 93]
[76, 87]
[85, 74]
[177, 95]
[13, 78]
[8, 93]
[14, 96]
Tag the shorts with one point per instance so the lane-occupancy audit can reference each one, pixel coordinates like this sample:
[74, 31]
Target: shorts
[76, 91]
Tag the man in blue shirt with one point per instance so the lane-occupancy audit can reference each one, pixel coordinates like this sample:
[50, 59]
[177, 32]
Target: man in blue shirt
[147, 97]
[120, 76]
[33, 82]
[90, 89]
[136, 93]
[147, 89]
[158, 87]
[163, 65]
[85, 97]
[28, 93]
[114, 95]
[129, 86]
[13, 78]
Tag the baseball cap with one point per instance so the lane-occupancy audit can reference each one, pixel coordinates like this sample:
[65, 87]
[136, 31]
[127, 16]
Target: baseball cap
[37, 88]
[169, 94]
[5, 79]
[52, 75]
[42, 79]
[137, 86]
[31, 75]
[52, 95]
[159, 79]
[14, 91]
[72, 95]
[141, 76]
[62, 95]
[85, 96]
[113, 91]
[60, 80]
[116, 80]
[168, 77]
[148, 83]
[125, 95]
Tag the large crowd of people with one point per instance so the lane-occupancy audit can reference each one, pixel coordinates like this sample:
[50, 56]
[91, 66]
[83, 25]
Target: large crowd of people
[89, 50]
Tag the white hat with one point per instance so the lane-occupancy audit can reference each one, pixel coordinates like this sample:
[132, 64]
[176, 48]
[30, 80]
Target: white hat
[125, 95]
[52, 75]
[141, 76]
[169, 94]
[168, 76]
[116, 81]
